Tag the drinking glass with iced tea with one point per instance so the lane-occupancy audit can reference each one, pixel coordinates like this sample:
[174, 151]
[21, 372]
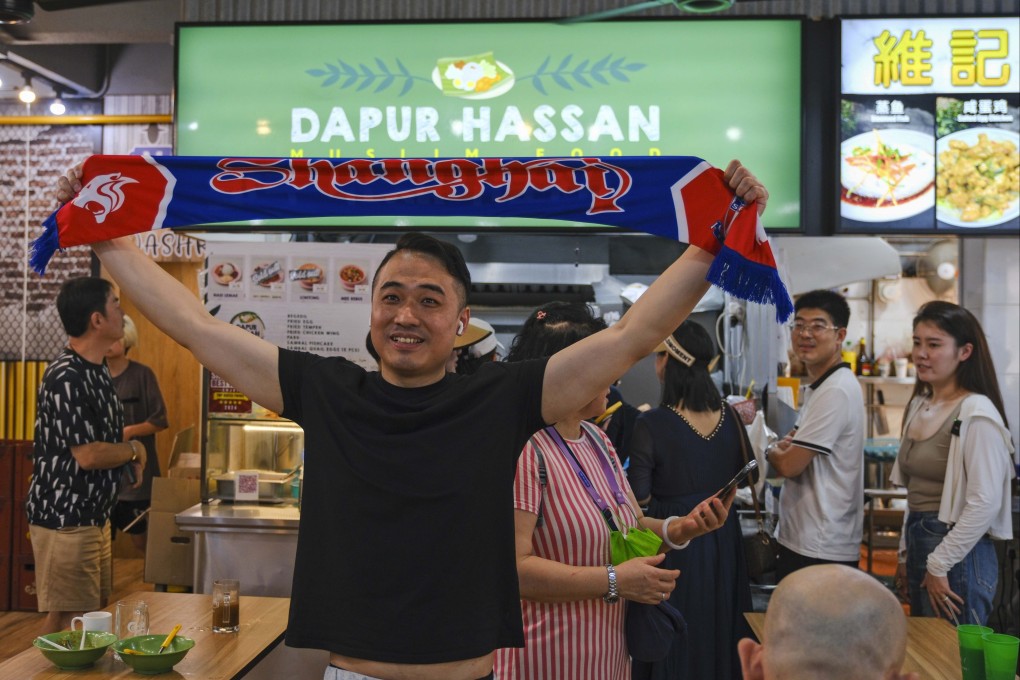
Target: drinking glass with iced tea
[226, 611]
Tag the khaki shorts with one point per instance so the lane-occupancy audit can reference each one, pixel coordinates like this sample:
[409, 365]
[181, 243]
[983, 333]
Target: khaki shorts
[73, 567]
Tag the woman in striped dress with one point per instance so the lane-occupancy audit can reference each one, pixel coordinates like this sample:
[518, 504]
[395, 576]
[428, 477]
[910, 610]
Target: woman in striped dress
[573, 604]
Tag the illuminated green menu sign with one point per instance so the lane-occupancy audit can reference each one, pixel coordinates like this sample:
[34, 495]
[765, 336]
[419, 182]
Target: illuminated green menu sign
[491, 89]
[930, 125]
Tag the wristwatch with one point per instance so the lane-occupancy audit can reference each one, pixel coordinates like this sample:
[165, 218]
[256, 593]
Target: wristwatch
[134, 451]
[613, 596]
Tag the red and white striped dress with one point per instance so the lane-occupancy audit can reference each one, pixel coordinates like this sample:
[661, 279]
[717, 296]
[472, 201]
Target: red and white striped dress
[571, 640]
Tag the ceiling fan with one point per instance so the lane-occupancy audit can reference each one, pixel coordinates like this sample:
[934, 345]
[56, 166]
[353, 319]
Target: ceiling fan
[692, 6]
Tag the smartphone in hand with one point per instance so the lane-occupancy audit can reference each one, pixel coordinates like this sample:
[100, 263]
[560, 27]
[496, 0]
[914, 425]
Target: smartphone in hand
[744, 473]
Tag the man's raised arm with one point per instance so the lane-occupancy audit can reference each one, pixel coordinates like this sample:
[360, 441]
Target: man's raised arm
[245, 361]
[576, 375]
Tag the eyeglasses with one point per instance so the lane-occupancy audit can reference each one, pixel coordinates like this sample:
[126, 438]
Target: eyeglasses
[813, 328]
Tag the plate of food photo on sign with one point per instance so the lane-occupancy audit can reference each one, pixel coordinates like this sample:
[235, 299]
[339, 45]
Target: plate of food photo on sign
[352, 275]
[267, 274]
[308, 275]
[225, 273]
[978, 181]
[887, 175]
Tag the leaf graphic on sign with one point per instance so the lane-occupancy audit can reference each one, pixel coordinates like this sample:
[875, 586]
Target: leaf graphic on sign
[364, 75]
[569, 73]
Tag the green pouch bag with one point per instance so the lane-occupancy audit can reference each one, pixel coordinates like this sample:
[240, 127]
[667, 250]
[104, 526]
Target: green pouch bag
[636, 543]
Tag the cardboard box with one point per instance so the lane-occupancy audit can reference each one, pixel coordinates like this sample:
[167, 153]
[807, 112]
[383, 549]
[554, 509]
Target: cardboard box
[174, 495]
[170, 552]
[187, 466]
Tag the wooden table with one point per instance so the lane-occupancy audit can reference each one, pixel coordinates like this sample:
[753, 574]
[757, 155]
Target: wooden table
[932, 648]
[214, 657]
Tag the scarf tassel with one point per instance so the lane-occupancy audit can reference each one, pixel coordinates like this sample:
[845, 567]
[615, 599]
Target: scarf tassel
[42, 249]
[751, 281]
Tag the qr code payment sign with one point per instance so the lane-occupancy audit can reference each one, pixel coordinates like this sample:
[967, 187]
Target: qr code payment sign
[247, 484]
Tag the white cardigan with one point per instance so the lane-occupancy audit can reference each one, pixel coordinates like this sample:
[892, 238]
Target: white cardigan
[975, 493]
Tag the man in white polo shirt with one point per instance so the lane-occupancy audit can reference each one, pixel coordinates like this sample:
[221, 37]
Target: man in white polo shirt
[821, 505]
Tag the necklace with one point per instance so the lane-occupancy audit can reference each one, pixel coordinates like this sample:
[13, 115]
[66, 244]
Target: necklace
[718, 425]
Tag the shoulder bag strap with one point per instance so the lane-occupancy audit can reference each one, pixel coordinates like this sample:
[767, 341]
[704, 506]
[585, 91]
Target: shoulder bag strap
[543, 480]
[747, 459]
[596, 497]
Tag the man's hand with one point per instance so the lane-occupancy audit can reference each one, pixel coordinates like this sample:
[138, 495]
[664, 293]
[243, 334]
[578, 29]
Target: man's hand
[745, 185]
[69, 184]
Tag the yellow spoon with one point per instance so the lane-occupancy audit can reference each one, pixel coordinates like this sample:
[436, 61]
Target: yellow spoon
[169, 639]
[128, 650]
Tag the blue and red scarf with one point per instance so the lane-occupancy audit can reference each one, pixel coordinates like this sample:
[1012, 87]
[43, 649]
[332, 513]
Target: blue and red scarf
[678, 197]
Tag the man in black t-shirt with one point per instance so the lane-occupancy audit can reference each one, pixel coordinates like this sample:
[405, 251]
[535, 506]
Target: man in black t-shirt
[405, 561]
[78, 458]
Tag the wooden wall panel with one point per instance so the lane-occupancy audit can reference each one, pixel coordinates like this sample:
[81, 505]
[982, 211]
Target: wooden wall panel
[177, 371]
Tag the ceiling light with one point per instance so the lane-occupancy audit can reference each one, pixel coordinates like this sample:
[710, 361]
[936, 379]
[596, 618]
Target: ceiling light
[57, 107]
[27, 94]
[16, 11]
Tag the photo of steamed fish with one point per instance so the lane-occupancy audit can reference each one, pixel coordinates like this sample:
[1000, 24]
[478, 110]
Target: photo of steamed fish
[887, 175]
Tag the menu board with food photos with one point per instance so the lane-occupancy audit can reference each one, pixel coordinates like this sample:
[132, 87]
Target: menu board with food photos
[313, 297]
[929, 126]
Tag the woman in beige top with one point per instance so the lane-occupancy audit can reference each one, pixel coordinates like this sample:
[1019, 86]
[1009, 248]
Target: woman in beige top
[956, 462]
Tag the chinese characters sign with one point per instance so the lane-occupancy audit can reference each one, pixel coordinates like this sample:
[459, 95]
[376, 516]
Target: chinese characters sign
[923, 56]
[930, 125]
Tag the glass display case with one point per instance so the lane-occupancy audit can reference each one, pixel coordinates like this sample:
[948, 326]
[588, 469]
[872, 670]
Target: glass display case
[239, 436]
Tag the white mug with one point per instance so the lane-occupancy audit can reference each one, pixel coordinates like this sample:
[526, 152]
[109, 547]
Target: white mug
[95, 621]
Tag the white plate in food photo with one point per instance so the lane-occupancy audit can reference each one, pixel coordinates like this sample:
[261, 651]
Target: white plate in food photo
[887, 175]
[978, 182]
[225, 273]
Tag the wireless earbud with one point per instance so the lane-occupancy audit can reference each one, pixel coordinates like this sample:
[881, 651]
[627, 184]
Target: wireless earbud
[460, 328]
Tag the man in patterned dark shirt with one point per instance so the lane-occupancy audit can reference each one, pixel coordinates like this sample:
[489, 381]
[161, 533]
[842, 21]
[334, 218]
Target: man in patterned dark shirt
[79, 457]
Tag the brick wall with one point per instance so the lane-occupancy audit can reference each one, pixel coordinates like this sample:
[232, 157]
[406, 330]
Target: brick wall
[31, 158]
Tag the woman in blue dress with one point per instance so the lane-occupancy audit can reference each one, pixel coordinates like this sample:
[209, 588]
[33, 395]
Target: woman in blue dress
[680, 454]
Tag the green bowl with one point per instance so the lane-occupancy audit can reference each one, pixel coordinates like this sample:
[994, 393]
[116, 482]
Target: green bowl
[148, 660]
[73, 658]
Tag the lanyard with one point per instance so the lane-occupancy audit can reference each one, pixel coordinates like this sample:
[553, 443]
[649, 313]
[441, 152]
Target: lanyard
[586, 482]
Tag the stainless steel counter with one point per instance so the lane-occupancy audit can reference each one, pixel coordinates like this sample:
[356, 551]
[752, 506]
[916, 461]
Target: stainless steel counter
[253, 543]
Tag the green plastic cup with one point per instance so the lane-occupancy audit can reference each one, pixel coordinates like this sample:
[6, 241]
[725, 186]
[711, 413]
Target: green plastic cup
[1000, 656]
[972, 650]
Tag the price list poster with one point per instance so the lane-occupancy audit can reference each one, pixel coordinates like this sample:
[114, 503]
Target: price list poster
[311, 297]
[929, 125]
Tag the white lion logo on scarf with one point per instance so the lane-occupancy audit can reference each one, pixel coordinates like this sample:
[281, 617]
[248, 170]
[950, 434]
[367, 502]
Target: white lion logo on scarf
[103, 195]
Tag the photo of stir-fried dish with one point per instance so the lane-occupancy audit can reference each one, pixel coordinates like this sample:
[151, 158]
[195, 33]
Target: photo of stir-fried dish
[887, 175]
[978, 177]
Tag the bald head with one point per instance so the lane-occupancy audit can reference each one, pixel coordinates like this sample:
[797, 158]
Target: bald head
[831, 621]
